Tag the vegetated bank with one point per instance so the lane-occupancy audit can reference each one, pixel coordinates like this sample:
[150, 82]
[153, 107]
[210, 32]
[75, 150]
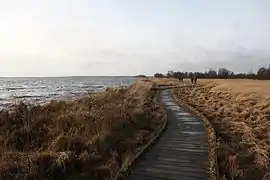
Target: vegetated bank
[239, 111]
[89, 138]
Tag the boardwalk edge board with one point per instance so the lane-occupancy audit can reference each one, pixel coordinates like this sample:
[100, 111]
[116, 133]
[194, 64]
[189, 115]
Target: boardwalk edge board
[124, 171]
[214, 171]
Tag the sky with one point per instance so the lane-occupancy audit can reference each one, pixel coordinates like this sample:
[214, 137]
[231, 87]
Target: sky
[127, 37]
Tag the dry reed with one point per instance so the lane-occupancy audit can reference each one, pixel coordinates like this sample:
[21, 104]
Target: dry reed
[239, 111]
[88, 138]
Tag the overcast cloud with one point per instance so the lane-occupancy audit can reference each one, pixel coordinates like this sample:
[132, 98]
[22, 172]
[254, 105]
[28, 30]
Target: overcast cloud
[127, 37]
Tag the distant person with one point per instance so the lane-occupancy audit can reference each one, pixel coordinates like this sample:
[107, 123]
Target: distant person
[195, 79]
[192, 78]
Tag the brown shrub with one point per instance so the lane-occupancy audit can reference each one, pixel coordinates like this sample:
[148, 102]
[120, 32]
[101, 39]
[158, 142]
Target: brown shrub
[88, 138]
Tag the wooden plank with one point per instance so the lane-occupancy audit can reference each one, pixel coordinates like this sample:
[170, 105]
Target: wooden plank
[178, 156]
[175, 166]
[156, 177]
[183, 146]
[179, 153]
[166, 177]
[173, 148]
[170, 173]
[180, 141]
[182, 151]
[170, 167]
[178, 160]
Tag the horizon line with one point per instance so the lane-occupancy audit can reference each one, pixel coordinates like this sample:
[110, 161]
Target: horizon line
[64, 76]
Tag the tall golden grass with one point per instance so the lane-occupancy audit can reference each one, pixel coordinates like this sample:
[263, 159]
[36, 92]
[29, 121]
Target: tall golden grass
[88, 138]
[239, 111]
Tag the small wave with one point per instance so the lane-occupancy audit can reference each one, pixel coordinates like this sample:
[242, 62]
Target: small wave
[40, 87]
[85, 86]
[98, 86]
[62, 89]
[25, 97]
[14, 88]
[53, 94]
[89, 87]
[75, 93]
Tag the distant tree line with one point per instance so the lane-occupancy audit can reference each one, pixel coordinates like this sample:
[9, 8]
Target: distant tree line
[222, 73]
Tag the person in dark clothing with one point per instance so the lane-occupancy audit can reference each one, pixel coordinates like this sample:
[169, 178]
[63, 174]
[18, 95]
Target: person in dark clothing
[180, 79]
[195, 79]
[192, 78]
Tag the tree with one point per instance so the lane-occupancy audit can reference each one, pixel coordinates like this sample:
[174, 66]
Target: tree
[224, 73]
[262, 72]
[170, 74]
[212, 73]
[159, 75]
[268, 70]
[178, 74]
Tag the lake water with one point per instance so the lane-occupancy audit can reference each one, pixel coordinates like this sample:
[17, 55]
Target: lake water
[40, 90]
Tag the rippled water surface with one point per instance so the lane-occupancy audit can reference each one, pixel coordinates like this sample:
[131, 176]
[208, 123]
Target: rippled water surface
[40, 90]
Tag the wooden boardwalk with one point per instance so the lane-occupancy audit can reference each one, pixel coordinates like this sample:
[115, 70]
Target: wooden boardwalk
[182, 151]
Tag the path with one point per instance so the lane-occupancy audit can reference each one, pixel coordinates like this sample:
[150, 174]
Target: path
[181, 153]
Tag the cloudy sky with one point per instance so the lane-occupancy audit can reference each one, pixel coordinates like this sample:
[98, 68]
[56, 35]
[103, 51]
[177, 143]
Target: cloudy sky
[128, 37]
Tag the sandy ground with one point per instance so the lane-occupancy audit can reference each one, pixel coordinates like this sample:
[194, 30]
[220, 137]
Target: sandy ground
[239, 111]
